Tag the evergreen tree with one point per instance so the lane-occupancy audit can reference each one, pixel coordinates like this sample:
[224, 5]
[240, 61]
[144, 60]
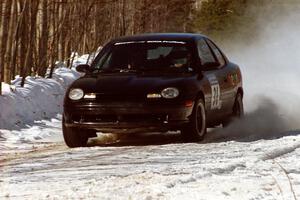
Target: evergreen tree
[222, 19]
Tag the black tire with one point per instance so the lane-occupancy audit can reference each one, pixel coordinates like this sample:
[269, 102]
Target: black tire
[196, 129]
[74, 137]
[90, 133]
[237, 110]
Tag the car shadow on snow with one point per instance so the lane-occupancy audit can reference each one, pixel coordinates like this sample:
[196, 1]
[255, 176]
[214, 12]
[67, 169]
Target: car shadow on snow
[224, 135]
[136, 139]
[265, 122]
[215, 135]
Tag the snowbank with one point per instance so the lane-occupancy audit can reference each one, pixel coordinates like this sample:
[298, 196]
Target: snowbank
[40, 98]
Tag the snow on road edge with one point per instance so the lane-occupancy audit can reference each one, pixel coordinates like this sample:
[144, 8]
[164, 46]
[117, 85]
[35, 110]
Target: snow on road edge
[40, 98]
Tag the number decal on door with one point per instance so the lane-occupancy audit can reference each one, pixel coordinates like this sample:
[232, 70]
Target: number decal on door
[215, 98]
[215, 92]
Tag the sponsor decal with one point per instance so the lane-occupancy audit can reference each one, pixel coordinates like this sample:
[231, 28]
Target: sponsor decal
[233, 79]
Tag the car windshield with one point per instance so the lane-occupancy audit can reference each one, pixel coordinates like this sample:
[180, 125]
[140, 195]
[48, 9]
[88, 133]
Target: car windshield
[145, 56]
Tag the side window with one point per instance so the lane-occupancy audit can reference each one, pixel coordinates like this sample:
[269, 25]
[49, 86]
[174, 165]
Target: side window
[102, 59]
[217, 53]
[204, 52]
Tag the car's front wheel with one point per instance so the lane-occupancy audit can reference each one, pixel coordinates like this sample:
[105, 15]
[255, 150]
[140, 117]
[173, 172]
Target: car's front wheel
[196, 129]
[75, 137]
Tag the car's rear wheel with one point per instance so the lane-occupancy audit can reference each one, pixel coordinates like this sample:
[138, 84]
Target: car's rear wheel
[196, 129]
[75, 137]
[237, 110]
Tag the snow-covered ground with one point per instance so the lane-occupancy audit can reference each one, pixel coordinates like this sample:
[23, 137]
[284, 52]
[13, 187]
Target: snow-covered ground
[26, 112]
[156, 166]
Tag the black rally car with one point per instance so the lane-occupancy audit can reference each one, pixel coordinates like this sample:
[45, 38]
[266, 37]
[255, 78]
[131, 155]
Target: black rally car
[153, 82]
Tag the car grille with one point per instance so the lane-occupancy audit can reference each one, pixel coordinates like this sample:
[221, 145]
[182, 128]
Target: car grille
[120, 118]
[118, 98]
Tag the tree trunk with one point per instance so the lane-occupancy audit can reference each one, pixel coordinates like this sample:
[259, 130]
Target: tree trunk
[43, 44]
[16, 40]
[29, 55]
[23, 35]
[4, 36]
[7, 59]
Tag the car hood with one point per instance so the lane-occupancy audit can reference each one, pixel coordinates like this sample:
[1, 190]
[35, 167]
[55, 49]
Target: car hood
[130, 83]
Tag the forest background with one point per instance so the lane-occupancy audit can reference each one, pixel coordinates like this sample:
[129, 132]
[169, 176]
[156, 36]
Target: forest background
[34, 34]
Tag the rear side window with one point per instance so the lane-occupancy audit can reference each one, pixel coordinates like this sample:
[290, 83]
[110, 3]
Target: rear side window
[217, 53]
[204, 52]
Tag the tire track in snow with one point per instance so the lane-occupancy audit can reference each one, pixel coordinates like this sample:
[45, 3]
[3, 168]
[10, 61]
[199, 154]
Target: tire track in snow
[280, 152]
[33, 153]
[231, 167]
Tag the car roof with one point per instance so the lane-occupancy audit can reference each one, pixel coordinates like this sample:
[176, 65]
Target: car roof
[160, 36]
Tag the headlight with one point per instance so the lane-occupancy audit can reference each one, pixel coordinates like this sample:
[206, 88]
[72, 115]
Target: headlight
[170, 93]
[76, 94]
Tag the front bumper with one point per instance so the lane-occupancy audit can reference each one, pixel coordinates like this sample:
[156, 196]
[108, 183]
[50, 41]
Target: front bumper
[126, 117]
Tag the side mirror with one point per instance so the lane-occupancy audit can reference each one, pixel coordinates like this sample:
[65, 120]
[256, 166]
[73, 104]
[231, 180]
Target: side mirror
[210, 66]
[84, 68]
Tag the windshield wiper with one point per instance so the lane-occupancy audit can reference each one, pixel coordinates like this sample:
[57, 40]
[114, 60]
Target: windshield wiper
[114, 70]
[128, 70]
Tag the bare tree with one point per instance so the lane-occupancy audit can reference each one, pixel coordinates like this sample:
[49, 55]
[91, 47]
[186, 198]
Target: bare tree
[4, 36]
[35, 34]
[33, 7]
[43, 40]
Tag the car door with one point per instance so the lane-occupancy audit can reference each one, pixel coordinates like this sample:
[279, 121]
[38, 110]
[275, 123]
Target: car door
[213, 101]
[225, 73]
